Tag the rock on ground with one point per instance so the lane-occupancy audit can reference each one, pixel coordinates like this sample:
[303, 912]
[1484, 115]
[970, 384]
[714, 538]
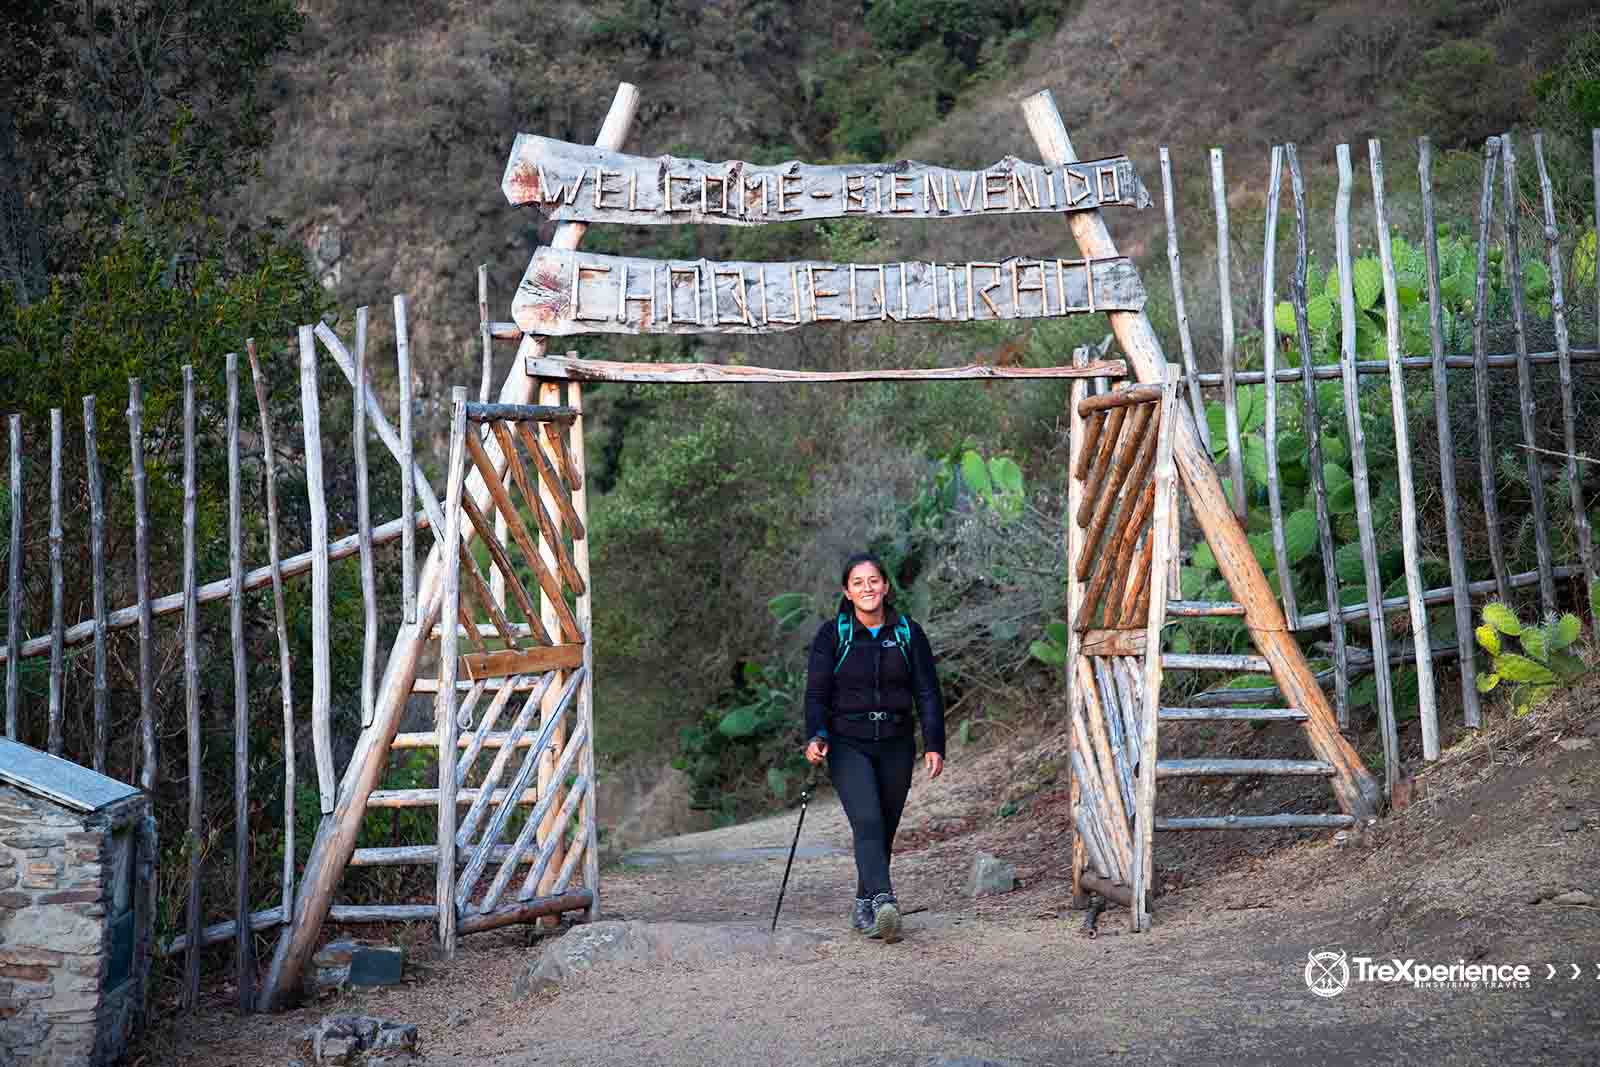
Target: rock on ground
[359, 1039]
[992, 875]
[646, 942]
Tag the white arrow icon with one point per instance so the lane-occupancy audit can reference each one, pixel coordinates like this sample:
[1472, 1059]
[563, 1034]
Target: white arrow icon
[1576, 971]
[1552, 973]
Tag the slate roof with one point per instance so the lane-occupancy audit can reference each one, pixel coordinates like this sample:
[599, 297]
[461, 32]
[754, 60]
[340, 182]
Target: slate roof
[59, 780]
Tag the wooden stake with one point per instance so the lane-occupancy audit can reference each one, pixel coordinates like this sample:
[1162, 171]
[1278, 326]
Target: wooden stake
[1230, 392]
[575, 457]
[1353, 784]
[408, 531]
[505, 568]
[56, 626]
[444, 716]
[14, 589]
[1358, 470]
[544, 808]
[1427, 705]
[97, 555]
[1541, 523]
[468, 823]
[1558, 305]
[1138, 444]
[1136, 598]
[1472, 713]
[280, 617]
[369, 581]
[1269, 353]
[1196, 403]
[553, 609]
[141, 555]
[195, 843]
[244, 965]
[1311, 418]
[1149, 711]
[1111, 706]
[1080, 445]
[321, 666]
[1110, 437]
[543, 573]
[1117, 559]
[336, 837]
[1480, 374]
[1115, 823]
[484, 335]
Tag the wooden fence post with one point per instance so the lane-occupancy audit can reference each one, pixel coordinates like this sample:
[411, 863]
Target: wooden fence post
[1461, 599]
[97, 555]
[14, 589]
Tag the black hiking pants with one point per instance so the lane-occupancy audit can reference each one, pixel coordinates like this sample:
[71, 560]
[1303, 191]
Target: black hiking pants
[872, 779]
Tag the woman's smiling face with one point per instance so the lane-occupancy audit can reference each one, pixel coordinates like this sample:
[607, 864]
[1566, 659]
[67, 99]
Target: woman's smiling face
[865, 588]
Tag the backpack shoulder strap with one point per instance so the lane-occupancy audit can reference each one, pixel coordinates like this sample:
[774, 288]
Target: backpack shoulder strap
[902, 636]
[846, 631]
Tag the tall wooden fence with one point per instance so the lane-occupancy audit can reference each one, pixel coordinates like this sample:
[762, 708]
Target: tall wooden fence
[1373, 394]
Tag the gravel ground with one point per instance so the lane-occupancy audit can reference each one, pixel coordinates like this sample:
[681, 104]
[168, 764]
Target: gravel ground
[1471, 874]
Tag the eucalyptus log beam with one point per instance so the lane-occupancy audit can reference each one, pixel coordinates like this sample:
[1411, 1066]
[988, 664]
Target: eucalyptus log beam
[336, 837]
[1330, 371]
[1254, 822]
[568, 292]
[572, 369]
[1357, 791]
[519, 413]
[582, 183]
[1112, 891]
[527, 911]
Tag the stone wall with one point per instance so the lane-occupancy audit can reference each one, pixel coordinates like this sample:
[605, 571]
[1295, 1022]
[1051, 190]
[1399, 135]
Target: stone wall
[58, 872]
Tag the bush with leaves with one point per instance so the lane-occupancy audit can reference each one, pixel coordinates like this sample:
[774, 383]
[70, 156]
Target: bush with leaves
[1545, 665]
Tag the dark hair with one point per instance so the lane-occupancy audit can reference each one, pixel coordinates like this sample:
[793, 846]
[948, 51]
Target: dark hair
[855, 561]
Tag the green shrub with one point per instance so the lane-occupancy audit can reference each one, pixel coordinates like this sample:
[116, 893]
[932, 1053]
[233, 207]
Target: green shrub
[1544, 666]
[1460, 95]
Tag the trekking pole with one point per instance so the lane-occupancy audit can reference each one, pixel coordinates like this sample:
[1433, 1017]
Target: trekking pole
[805, 798]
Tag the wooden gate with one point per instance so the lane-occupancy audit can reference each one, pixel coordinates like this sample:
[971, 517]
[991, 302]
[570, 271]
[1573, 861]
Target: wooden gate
[1121, 525]
[544, 662]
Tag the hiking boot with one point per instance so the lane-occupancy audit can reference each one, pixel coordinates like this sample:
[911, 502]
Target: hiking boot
[861, 915]
[885, 919]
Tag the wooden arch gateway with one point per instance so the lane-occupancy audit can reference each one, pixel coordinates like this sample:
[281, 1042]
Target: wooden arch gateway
[1130, 450]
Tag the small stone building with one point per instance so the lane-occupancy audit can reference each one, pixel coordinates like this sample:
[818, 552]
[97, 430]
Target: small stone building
[77, 863]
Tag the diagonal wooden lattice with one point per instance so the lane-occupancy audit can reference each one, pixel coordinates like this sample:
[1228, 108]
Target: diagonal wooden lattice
[1116, 469]
[1121, 519]
[534, 535]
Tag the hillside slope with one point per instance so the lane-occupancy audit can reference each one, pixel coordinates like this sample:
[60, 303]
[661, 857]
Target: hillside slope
[394, 124]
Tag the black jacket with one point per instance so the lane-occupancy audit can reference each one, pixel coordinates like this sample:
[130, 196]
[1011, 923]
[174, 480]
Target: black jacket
[873, 677]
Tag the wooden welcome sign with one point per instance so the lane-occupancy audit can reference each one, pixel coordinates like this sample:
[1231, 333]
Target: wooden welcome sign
[567, 292]
[581, 183]
[578, 292]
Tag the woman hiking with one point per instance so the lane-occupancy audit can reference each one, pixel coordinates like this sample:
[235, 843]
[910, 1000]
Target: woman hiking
[869, 679]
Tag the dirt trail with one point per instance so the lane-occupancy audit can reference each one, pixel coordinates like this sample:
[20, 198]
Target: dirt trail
[1011, 980]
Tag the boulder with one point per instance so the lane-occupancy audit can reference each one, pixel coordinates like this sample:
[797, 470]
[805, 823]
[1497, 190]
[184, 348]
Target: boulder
[991, 875]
